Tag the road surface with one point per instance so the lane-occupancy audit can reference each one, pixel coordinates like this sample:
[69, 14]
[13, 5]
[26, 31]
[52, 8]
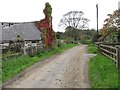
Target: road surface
[66, 70]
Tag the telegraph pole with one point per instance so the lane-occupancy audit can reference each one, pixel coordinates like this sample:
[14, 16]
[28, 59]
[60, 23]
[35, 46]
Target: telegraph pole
[97, 17]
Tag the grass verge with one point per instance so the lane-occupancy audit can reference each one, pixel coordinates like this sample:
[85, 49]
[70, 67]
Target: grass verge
[102, 71]
[13, 66]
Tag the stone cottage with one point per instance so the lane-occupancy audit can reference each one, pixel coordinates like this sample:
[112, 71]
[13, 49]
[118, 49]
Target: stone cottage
[26, 31]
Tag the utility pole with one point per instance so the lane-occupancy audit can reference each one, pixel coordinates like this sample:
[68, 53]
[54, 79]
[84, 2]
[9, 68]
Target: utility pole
[97, 18]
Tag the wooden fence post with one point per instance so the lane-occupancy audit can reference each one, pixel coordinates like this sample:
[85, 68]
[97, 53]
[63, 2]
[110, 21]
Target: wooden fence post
[99, 47]
[118, 57]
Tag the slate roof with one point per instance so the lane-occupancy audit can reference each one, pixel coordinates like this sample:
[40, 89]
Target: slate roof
[27, 31]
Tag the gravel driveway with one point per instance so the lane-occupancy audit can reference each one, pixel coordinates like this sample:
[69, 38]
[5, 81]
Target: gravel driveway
[65, 70]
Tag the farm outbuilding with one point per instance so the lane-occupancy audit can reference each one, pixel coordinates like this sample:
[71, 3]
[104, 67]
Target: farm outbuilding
[29, 34]
[26, 32]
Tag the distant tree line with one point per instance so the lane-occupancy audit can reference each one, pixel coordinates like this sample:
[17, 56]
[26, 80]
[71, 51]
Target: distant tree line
[72, 35]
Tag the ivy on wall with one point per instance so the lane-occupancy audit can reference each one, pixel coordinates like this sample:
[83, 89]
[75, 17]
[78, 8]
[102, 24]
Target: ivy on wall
[45, 26]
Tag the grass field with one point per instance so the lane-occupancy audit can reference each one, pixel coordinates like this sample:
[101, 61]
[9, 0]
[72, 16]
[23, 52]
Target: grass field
[102, 71]
[13, 66]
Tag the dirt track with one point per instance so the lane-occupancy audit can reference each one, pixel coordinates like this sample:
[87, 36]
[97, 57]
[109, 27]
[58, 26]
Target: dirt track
[66, 70]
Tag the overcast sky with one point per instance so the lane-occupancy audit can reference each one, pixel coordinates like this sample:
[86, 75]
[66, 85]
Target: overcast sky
[32, 10]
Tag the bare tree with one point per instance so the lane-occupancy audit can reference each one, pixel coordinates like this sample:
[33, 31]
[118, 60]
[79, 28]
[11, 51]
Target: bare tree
[74, 19]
